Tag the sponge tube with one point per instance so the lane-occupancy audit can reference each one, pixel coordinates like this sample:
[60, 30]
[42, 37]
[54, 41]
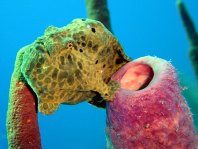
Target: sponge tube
[153, 114]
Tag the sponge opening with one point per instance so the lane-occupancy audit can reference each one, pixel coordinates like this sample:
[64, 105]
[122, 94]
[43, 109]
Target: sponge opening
[137, 77]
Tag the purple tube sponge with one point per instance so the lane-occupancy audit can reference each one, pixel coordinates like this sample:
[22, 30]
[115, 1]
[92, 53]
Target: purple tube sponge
[148, 111]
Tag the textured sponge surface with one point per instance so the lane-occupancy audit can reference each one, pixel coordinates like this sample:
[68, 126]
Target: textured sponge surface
[155, 116]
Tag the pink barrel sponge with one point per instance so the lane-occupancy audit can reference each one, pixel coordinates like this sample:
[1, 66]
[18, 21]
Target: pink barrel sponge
[148, 111]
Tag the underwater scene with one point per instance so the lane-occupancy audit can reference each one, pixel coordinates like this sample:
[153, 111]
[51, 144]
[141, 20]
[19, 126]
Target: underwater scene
[99, 74]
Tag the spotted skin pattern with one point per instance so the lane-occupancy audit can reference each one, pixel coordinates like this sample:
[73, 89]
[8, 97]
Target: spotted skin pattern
[73, 64]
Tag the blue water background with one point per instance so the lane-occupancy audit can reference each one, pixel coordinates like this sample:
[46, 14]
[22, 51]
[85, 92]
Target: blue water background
[143, 28]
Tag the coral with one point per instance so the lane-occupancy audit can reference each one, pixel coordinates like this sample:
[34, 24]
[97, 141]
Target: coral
[192, 35]
[22, 121]
[190, 93]
[151, 113]
[98, 10]
[72, 64]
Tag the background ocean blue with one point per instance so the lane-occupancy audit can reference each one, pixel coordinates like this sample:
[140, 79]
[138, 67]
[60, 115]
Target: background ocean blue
[143, 27]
